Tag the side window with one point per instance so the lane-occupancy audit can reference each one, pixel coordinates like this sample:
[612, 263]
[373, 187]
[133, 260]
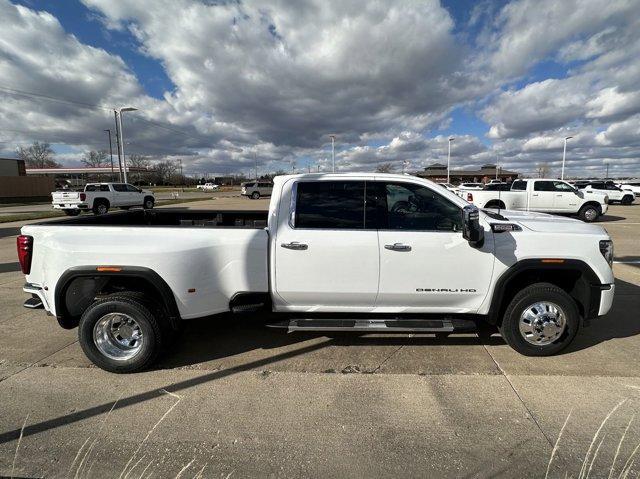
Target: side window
[562, 186]
[132, 189]
[265, 185]
[119, 187]
[415, 207]
[519, 185]
[104, 187]
[91, 188]
[543, 186]
[330, 205]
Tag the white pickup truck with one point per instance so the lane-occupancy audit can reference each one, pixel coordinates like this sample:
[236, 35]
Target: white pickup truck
[359, 252]
[207, 187]
[542, 195]
[99, 197]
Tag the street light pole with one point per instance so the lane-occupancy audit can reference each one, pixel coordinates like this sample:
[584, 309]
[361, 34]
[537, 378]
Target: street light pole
[449, 161]
[118, 147]
[110, 152]
[119, 124]
[333, 153]
[564, 155]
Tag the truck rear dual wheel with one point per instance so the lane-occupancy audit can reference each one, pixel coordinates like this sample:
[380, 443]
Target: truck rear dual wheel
[122, 332]
[541, 320]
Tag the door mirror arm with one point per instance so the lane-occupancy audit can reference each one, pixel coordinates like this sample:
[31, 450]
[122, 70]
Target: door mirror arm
[472, 230]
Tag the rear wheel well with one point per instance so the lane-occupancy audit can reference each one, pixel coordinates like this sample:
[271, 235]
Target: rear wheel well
[574, 282]
[495, 204]
[77, 293]
[97, 201]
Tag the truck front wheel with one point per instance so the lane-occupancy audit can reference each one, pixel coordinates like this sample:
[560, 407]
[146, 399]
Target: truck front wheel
[589, 213]
[121, 333]
[540, 320]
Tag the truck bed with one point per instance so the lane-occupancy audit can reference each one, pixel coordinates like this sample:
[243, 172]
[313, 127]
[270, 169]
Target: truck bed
[177, 217]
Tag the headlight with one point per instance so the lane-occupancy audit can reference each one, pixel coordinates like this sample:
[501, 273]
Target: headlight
[606, 248]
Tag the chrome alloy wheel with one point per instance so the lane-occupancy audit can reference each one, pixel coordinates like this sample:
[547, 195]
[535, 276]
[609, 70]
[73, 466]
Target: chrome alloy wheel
[118, 336]
[591, 214]
[542, 323]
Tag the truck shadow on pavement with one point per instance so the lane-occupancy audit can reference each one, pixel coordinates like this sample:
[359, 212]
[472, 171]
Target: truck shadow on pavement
[217, 338]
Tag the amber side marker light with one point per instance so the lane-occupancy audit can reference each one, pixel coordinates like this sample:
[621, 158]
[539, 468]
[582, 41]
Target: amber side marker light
[108, 269]
[553, 261]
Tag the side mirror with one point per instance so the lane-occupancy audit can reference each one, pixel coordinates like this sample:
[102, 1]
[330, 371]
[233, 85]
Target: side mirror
[472, 231]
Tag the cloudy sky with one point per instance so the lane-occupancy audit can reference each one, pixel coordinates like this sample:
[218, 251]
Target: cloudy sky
[219, 83]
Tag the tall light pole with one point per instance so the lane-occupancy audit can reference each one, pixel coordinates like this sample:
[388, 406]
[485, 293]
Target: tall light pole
[564, 155]
[110, 152]
[449, 160]
[118, 112]
[255, 160]
[333, 153]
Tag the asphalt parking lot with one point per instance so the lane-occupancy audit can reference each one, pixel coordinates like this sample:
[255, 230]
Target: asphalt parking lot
[234, 399]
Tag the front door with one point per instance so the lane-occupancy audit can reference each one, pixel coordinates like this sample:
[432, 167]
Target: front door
[565, 197]
[325, 258]
[425, 263]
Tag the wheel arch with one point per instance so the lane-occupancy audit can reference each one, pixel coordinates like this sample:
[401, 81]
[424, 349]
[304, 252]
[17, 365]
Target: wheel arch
[594, 204]
[82, 284]
[575, 277]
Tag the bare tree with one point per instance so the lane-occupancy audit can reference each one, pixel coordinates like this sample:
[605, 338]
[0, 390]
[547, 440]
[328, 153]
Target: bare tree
[95, 159]
[543, 170]
[38, 155]
[384, 168]
[165, 171]
[138, 161]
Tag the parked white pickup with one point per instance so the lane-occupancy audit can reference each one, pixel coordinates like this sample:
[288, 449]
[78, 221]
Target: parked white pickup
[361, 252]
[543, 195]
[99, 197]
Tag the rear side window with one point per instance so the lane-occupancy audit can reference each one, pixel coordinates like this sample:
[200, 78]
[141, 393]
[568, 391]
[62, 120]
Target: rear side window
[264, 185]
[330, 205]
[91, 188]
[519, 185]
[543, 186]
[104, 187]
[597, 186]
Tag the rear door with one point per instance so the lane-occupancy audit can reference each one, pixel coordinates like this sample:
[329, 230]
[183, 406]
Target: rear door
[425, 263]
[542, 195]
[120, 196]
[324, 257]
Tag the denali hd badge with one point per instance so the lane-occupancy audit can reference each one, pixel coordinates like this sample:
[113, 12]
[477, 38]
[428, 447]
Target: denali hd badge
[445, 290]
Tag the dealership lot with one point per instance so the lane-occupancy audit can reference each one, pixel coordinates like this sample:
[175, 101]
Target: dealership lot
[232, 397]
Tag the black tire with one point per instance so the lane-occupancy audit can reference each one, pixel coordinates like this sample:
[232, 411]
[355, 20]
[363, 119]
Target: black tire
[149, 320]
[100, 207]
[589, 213]
[255, 195]
[149, 202]
[510, 327]
[627, 200]
[71, 212]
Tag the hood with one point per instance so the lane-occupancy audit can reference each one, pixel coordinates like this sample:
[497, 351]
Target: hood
[546, 223]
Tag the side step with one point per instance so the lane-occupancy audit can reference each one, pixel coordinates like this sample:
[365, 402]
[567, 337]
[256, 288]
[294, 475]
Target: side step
[446, 325]
[33, 303]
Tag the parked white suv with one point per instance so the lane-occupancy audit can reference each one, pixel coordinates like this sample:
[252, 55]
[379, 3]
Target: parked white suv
[100, 197]
[256, 189]
[608, 188]
[633, 186]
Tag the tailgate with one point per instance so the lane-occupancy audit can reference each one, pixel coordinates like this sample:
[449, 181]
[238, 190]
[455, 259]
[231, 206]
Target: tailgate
[65, 196]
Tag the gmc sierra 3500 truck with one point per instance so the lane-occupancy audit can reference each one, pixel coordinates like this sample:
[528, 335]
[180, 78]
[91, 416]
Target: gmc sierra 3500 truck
[359, 252]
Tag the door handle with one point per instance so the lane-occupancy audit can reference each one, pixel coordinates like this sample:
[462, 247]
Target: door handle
[535, 194]
[398, 247]
[295, 246]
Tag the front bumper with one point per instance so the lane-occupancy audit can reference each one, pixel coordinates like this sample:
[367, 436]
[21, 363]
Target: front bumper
[606, 299]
